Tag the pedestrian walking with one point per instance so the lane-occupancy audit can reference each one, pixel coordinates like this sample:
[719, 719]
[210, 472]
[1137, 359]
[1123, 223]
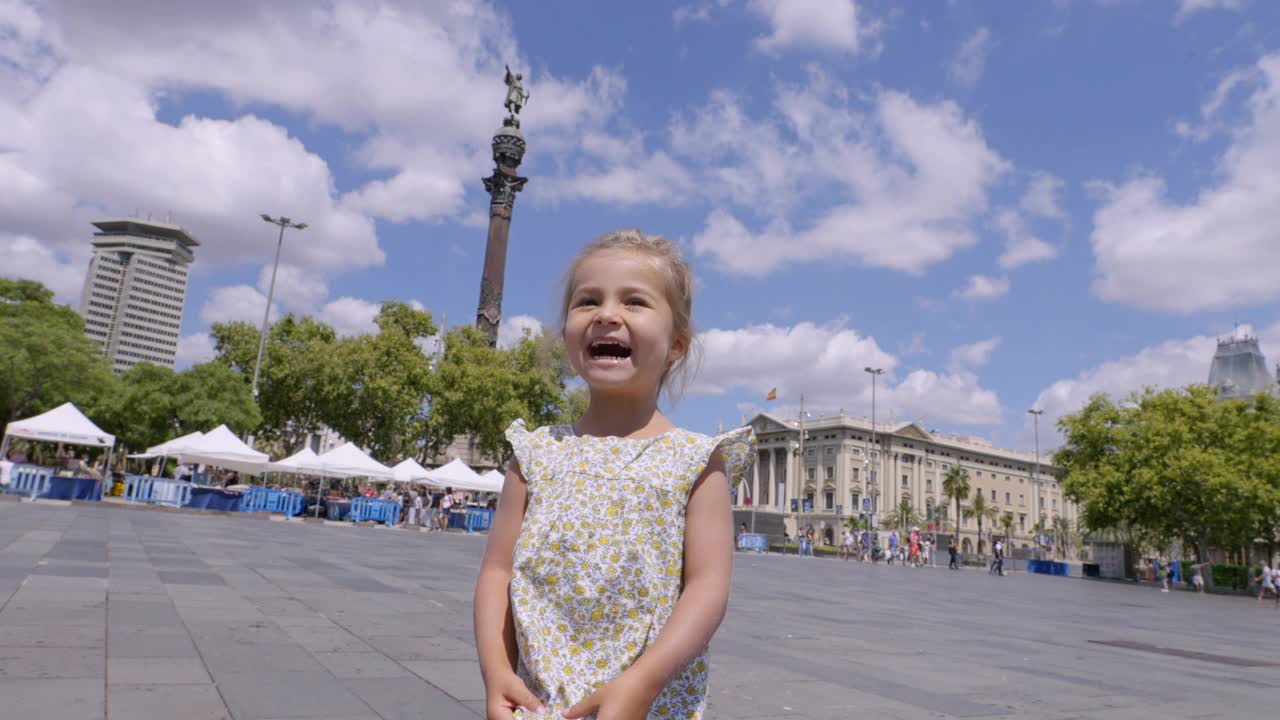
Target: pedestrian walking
[893, 545]
[846, 544]
[1268, 583]
[954, 564]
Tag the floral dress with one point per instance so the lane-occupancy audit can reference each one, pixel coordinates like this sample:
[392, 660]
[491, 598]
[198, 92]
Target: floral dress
[599, 562]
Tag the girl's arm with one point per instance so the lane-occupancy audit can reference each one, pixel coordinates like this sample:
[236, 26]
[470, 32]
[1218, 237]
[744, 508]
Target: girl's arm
[708, 570]
[494, 627]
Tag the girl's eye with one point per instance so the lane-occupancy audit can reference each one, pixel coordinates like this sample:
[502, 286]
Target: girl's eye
[637, 302]
[585, 302]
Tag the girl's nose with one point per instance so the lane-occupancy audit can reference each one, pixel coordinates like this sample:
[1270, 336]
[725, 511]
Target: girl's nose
[606, 314]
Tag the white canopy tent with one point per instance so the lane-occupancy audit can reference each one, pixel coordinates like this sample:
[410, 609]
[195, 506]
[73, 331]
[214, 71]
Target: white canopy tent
[303, 462]
[63, 424]
[495, 478]
[221, 448]
[350, 461]
[410, 471]
[169, 448]
[458, 476]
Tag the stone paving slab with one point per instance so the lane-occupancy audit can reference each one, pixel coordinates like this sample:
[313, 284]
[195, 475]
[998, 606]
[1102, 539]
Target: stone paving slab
[143, 614]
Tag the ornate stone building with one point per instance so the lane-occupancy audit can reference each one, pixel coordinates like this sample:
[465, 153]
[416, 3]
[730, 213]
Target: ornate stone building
[841, 467]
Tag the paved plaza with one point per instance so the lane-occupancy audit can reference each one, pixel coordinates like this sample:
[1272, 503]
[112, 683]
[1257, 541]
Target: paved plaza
[127, 613]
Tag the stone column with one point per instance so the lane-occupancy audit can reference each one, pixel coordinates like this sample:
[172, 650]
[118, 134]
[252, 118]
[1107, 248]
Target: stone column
[755, 482]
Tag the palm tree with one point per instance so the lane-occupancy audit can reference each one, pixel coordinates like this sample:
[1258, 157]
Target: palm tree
[855, 523]
[1006, 525]
[979, 509]
[955, 486]
[1062, 535]
[940, 516]
[902, 515]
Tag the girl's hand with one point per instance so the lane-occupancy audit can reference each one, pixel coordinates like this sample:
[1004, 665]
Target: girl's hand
[622, 698]
[504, 694]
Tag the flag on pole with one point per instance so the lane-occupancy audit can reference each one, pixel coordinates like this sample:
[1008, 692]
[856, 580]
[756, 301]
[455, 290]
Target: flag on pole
[773, 394]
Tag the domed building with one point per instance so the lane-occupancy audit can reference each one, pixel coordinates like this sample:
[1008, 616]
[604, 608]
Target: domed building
[1239, 370]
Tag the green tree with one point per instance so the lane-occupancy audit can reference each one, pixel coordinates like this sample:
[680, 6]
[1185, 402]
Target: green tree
[981, 510]
[903, 515]
[1061, 528]
[153, 404]
[478, 391]
[955, 487]
[382, 383]
[1173, 465]
[1006, 526]
[45, 357]
[300, 382]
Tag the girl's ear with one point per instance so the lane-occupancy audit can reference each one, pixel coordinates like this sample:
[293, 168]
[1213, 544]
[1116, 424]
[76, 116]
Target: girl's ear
[679, 347]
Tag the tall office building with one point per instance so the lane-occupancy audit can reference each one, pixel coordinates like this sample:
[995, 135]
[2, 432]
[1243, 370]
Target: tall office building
[1239, 370]
[134, 292]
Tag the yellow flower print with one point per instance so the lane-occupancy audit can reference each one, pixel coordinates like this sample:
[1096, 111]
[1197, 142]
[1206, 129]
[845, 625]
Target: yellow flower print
[569, 585]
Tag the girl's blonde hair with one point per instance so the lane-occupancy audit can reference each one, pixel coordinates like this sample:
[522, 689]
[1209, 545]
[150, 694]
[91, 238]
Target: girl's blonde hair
[678, 289]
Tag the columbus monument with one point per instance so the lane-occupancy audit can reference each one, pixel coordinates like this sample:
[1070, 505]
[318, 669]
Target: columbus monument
[502, 186]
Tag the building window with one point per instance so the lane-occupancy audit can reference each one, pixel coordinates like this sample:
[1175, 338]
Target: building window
[830, 451]
[928, 463]
[853, 474]
[810, 452]
[829, 499]
[1041, 503]
[1021, 480]
[1008, 498]
[809, 472]
[945, 466]
[1055, 504]
[993, 496]
[1022, 522]
[1022, 499]
[928, 484]
[856, 451]
[831, 473]
[905, 480]
[857, 502]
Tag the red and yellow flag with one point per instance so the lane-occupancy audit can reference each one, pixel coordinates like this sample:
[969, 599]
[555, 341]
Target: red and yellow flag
[773, 394]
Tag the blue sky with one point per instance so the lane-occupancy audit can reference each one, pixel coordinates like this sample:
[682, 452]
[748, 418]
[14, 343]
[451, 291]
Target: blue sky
[1005, 206]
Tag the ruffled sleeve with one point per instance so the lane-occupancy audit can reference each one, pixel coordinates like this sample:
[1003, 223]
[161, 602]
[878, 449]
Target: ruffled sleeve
[526, 445]
[738, 447]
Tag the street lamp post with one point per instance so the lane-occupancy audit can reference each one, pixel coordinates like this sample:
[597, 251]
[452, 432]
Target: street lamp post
[872, 478]
[283, 222]
[1035, 475]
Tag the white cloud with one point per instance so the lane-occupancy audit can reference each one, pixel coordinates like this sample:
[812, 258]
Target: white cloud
[983, 287]
[825, 362]
[1021, 247]
[512, 329]
[297, 290]
[1189, 7]
[696, 12]
[350, 316]
[237, 303]
[974, 355]
[1219, 250]
[1041, 196]
[908, 181]
[26, 258]
[194, 349]
[971, 58]
[1169, 364]
[835, 25]
[83, 87]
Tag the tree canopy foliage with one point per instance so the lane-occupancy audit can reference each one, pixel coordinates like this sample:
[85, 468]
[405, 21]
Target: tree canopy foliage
[1176, 466]
[388, 391]
[45, 357]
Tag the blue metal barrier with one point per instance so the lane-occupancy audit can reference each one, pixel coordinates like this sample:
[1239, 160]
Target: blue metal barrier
[753, 541]
[477, 519]
[29, 480]
[1047, 567]
[160, 491]
[259, 499]
[375, 510]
